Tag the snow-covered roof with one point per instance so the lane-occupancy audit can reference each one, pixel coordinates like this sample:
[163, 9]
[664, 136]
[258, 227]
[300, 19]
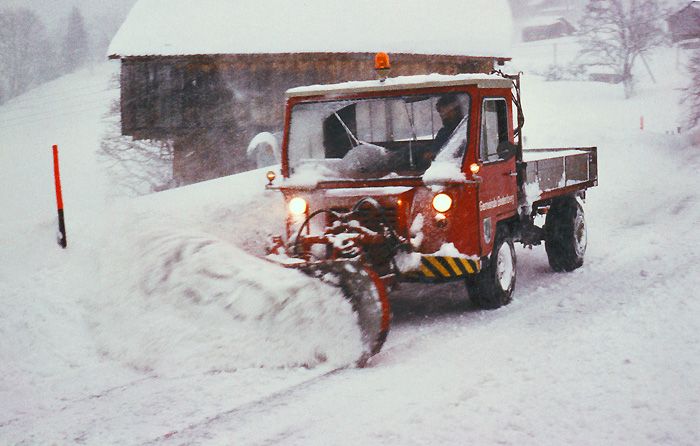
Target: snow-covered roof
[421, 81]
[188, 27]
[544, 20]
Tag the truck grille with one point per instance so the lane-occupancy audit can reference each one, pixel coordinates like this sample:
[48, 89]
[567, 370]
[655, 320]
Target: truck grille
[367, 219]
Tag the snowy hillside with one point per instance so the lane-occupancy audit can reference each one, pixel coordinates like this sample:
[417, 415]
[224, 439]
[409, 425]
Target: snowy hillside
[158, 325]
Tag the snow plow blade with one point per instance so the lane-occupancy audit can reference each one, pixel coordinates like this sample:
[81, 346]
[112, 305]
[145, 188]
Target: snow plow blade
[365, 291]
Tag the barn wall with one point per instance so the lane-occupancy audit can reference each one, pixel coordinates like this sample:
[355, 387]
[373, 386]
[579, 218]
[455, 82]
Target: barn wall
[685, 24]
[212, 106]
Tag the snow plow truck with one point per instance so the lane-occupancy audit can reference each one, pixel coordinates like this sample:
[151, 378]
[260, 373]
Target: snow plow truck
[422, 179]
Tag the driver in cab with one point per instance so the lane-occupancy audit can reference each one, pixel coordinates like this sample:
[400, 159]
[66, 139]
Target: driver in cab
[450, 111]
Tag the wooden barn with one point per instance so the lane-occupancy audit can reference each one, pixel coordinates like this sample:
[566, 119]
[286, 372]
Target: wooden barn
[211, 75]
[547, 28]
[684, 25]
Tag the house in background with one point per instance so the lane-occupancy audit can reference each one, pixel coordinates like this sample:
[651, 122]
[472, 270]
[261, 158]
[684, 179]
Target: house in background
[211, 75]
[684, 26]
[544, 28]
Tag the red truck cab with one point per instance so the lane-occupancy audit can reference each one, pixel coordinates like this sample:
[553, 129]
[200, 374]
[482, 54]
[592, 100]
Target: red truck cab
[423, 178]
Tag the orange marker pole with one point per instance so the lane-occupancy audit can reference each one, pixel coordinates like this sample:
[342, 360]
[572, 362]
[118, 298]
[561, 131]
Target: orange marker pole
[59, 201]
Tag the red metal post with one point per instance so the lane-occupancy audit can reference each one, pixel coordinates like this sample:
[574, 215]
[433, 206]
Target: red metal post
[59, 201]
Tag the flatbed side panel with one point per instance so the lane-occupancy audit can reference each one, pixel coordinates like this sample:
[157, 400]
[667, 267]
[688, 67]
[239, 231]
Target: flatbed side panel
[552, 170]
[593, 165]
[576, 169]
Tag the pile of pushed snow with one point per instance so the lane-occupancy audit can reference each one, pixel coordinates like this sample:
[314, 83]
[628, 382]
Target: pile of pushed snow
[176, 301]
[180, 291]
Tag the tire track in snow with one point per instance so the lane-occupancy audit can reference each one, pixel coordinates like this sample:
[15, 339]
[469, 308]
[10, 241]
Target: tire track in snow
[263, 403]
[196, 433]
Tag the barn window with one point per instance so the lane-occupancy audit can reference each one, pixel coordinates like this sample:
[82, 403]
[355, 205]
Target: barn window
[164, 96]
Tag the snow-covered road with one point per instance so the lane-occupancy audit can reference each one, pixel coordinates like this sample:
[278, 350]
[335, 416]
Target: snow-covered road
[608, 354]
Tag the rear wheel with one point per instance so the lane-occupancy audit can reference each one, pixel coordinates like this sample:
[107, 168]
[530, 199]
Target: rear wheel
[565, 236]
[493, 286]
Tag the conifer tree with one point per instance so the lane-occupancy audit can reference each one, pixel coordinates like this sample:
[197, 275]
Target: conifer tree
[75, 48]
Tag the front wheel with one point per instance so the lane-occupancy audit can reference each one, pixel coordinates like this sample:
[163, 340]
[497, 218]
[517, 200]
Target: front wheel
[493, 286]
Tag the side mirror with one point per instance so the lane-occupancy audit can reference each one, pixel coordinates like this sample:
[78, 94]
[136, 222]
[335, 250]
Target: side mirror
[506, 150]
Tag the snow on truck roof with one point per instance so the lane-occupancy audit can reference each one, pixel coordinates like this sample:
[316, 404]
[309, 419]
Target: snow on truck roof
[479, 28]
[401, 82]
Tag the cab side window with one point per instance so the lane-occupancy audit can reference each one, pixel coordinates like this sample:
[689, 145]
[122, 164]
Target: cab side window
[494, 128]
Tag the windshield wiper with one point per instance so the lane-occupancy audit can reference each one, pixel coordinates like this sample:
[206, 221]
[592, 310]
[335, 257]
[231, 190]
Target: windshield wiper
[413, 130]
[347, 130]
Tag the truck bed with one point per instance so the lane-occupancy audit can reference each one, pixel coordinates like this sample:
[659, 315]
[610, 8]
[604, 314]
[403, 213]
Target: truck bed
[552, 172]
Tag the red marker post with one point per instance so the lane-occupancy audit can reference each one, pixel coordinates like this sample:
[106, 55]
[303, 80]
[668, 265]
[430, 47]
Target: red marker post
[59, 201]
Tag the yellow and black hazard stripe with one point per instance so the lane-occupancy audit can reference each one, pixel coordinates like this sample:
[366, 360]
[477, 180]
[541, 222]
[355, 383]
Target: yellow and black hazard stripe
[439, 268]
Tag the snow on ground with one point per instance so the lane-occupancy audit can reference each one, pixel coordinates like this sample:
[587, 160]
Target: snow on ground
[157, 326]
[142, 291]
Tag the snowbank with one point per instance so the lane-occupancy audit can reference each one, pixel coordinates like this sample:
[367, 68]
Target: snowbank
[195, 301]
[158, 286]
[196, 304]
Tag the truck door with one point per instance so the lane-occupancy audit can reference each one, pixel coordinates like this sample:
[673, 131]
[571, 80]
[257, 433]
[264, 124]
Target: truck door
[497, 192]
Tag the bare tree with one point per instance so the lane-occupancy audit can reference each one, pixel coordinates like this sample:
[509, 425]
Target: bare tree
[692, 92]
[23, 46]
[139, 167]
[616, 33]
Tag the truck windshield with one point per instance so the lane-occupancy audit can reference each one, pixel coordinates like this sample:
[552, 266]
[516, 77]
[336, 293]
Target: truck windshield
[373, 138]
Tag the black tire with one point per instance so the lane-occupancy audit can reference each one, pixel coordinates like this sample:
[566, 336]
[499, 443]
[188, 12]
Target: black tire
[493, 286]
[565, 237]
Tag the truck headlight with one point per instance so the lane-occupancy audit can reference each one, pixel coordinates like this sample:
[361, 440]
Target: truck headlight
[442, 202]
[297, 206]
